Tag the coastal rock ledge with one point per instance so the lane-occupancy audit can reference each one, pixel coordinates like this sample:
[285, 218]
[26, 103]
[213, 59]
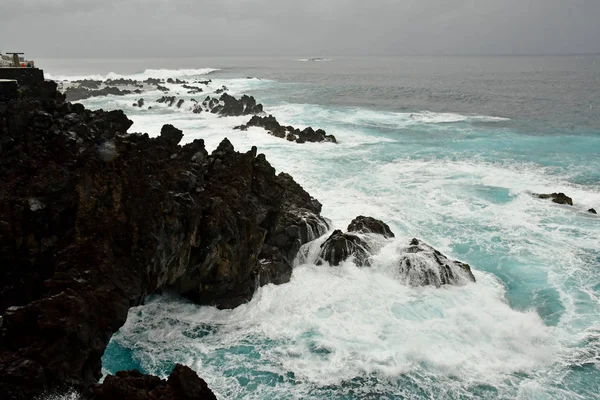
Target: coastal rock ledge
[93, 220]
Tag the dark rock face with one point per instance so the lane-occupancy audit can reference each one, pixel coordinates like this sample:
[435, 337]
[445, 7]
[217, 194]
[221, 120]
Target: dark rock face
[180, 103]
[559, 198]
[93, 219]
[183, 384]
[290, 133]
[162, 88]
[139, 103]
[81, 93]
[591, 210]
[340, 246]
[192, 89]
[171, 134]
[421, 264]
[229, 106]
[370, 225]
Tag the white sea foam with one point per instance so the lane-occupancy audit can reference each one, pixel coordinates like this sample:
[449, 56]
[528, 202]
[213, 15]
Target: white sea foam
[148, 73]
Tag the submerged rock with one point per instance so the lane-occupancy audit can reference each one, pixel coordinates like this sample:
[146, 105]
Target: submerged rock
[559, 198]
[93, 219]
[183, 384]
[370, 225]
[421, 265]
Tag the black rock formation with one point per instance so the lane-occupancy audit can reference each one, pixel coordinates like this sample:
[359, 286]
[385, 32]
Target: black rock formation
[169, 100]
[182, 384]
[81, 93]
[290, 133]
[559, 198]
[591, 210]
[340, 246]
[93, 219]
[421, 264]
[370, 225]
[139, 103]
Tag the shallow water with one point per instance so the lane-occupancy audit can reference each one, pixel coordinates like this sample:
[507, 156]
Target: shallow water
[455, 173]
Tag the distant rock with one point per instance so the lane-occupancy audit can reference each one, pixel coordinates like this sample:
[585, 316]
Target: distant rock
[290, 133]
[229, 106]
[421, 265]
[88, 83]
[139, 103]
[169, 100]
[81, 93]
[591, 210]
[123, 82]
[221, 90]
[559, 198]
[180, 103]
[162, 88]
[153, 81]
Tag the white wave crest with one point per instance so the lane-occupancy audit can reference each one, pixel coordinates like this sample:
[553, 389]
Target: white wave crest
[148, 73]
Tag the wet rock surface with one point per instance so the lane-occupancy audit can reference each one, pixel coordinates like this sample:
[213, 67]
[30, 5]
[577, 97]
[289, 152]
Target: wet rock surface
[290, 133]
[370, 225]
[93, 219]
[559, 198]
[183, 384]
[340, 246]
[422, 265]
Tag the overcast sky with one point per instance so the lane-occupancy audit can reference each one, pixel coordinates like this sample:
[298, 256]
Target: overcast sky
[121, 28]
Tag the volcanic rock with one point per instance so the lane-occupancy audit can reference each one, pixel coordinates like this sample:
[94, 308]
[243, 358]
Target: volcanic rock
[340, 246]
[559, 198]
[290, 133]
[93, 219]
[421, 265]
[183, 384]
[370, 225]
[81, 93]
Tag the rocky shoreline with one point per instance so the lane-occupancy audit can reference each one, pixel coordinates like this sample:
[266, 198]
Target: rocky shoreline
[93, 219]
[225, 105]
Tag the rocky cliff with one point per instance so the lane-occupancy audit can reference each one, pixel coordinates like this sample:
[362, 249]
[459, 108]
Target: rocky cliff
[93, 219]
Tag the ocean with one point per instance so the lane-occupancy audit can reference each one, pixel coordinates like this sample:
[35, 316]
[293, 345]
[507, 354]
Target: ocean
[444, 149]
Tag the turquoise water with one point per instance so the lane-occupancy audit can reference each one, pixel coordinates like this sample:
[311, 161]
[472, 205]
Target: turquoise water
[462, 181]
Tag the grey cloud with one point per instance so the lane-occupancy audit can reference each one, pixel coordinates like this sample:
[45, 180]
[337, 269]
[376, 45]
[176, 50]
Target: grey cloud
[282, 27]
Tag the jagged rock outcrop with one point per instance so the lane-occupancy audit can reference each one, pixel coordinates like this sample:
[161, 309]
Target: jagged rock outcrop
[290, 133]
[82, 93]
[340, 246]
[559, 198]
[168, 100]
[370, 225]
[93, 219]
[183, 384]
[123, 82]
[421, 265]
